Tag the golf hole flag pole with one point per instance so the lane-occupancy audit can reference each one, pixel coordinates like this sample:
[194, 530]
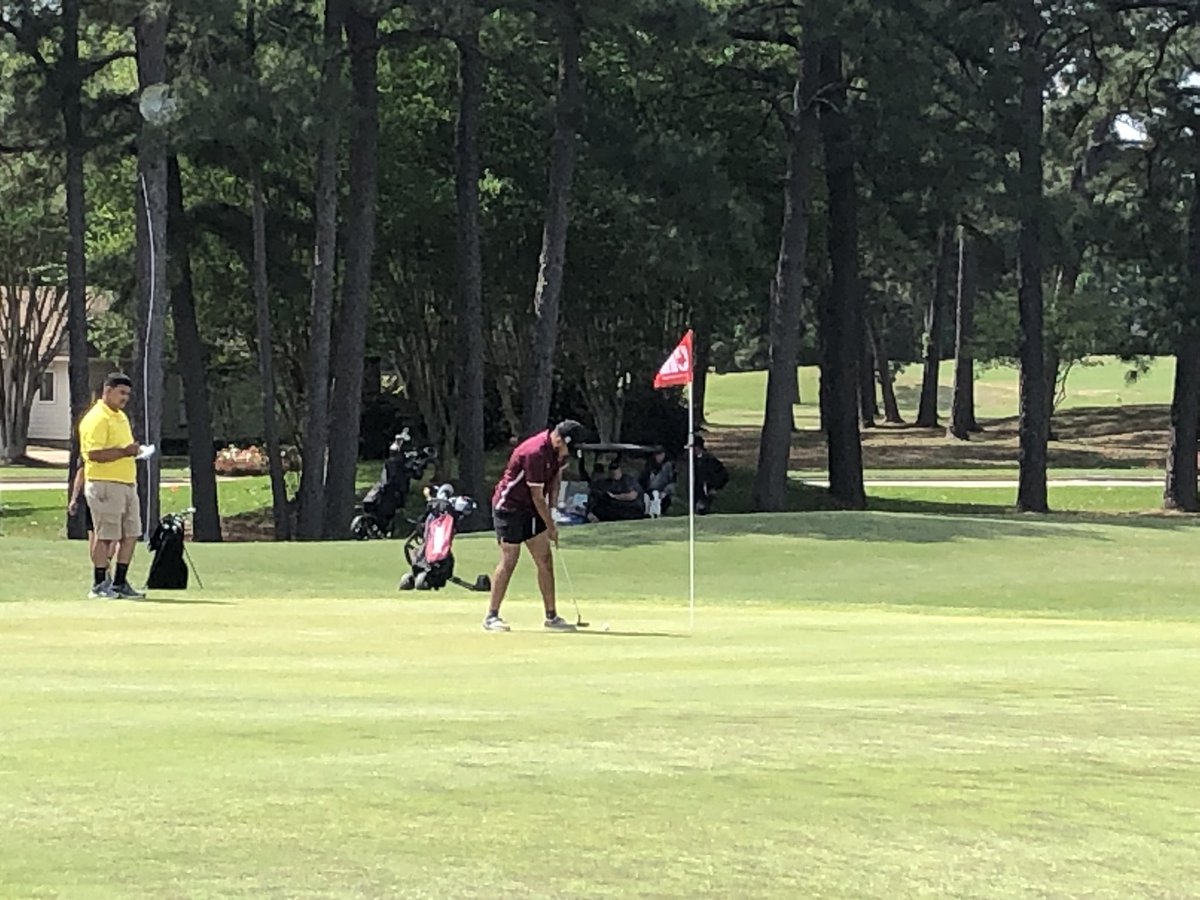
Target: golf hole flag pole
[679, 369]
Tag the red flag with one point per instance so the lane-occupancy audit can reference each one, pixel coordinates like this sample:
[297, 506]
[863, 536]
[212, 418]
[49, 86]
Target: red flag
[677, 369]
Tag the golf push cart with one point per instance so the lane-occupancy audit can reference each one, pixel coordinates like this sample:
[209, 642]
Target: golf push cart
[429, 548]
[404, 465]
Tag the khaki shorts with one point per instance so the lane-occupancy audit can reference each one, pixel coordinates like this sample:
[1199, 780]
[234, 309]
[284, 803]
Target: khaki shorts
[115, 509]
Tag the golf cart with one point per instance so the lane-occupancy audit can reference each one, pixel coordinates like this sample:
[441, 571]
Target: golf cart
[584, 497]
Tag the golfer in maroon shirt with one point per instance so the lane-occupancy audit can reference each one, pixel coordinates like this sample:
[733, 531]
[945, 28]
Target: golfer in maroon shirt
[521, 507]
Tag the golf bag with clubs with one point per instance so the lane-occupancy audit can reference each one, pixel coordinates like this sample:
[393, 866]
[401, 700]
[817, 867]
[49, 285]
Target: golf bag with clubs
[168, 569]
[429, 549]
[388, 495]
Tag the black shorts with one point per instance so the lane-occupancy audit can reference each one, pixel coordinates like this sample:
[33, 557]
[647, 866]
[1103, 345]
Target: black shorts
[516, 526]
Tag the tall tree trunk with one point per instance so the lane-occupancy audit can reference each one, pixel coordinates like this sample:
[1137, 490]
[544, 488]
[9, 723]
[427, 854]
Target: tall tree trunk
[787, 292]
[192, 366]
[962, 407]
[266, 365]
[927, 412]
[883, 367]
[472, 75]
[1052, 371]
[844, 318]
[152, 207]
[77, 331]
[548, 294]
[1180, 489]
[1064, 293]
[346, 412]
[311, 499]
[868, 402]
[14, 405]
[1033, 424]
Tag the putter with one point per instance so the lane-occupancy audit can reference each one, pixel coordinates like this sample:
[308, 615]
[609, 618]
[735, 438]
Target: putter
[579, 623]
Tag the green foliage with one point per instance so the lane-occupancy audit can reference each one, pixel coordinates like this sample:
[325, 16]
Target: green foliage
[678, 189]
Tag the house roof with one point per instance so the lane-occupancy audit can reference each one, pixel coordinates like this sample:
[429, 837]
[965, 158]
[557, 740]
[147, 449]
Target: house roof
[64, 349]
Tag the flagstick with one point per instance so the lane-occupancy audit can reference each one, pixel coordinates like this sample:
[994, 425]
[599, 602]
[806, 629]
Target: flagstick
[691, 389]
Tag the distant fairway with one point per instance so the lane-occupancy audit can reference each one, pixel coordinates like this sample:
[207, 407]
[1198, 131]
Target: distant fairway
[870, 705]
[738, 398]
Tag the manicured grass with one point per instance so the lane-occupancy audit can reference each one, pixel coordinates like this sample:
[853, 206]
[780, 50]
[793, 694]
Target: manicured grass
[16, 474]
[42, 514]
[869, 705]
[738, 398]
[38, 514]
[989, 500]
[997, 472]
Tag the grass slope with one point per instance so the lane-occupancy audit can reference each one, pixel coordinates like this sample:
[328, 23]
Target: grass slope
[870, 705]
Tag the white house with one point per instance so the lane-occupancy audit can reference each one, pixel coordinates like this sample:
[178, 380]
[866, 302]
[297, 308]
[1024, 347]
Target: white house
[50, 416]
[236, 411]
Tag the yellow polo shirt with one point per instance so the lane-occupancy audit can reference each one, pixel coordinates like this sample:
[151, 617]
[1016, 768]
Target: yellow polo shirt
[104, 428]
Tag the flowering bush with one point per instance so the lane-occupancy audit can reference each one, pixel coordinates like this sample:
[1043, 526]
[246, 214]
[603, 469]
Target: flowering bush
[252, 460]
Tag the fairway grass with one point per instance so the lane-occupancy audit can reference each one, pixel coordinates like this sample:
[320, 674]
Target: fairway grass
[737, 398]
[869, 705]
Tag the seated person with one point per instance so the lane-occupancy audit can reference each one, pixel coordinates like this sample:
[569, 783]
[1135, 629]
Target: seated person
[711, 476]
[617, 497]
[658, 483]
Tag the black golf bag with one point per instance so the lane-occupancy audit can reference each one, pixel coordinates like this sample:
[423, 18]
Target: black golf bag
[168, 570]
[389, 494]
[429, 549]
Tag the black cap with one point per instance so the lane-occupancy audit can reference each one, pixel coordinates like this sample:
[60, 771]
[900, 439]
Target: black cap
[570, 431]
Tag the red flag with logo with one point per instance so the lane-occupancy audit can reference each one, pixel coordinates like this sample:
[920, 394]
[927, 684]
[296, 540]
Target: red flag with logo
[677, 369]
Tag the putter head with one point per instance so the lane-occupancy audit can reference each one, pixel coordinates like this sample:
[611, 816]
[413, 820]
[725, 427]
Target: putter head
[579, 623]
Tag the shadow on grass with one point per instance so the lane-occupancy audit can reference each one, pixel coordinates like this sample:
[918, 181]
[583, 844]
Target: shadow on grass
[634, 634]
[184, 601]
[839, 526]
[32, 462]
[903, 521]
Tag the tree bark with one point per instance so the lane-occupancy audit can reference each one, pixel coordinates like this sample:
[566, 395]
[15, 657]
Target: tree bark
[868, 401]
[472, 75]
[962, 407]
[1033, 423]
[31, 329]
[1052, 369]
[266, 365]
[311, 499]
[883, 367]
[152, 213]
[843, 320]
[346, 410]
[1180, 490]
[77, 331]
[548, 293]
[927, 412]
[192, 367]
[787, 291]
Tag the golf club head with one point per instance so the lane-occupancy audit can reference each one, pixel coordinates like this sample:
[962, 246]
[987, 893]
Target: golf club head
[579, 623]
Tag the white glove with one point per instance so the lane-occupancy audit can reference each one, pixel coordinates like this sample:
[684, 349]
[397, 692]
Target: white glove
[146, 452]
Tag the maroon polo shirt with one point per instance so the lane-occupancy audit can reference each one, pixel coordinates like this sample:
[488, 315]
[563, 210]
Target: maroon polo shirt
[533, 461]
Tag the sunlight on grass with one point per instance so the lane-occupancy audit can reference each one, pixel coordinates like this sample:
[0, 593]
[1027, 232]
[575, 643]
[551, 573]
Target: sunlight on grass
[870, 705]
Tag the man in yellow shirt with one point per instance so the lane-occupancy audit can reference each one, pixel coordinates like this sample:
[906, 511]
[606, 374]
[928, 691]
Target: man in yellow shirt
[110, 473]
